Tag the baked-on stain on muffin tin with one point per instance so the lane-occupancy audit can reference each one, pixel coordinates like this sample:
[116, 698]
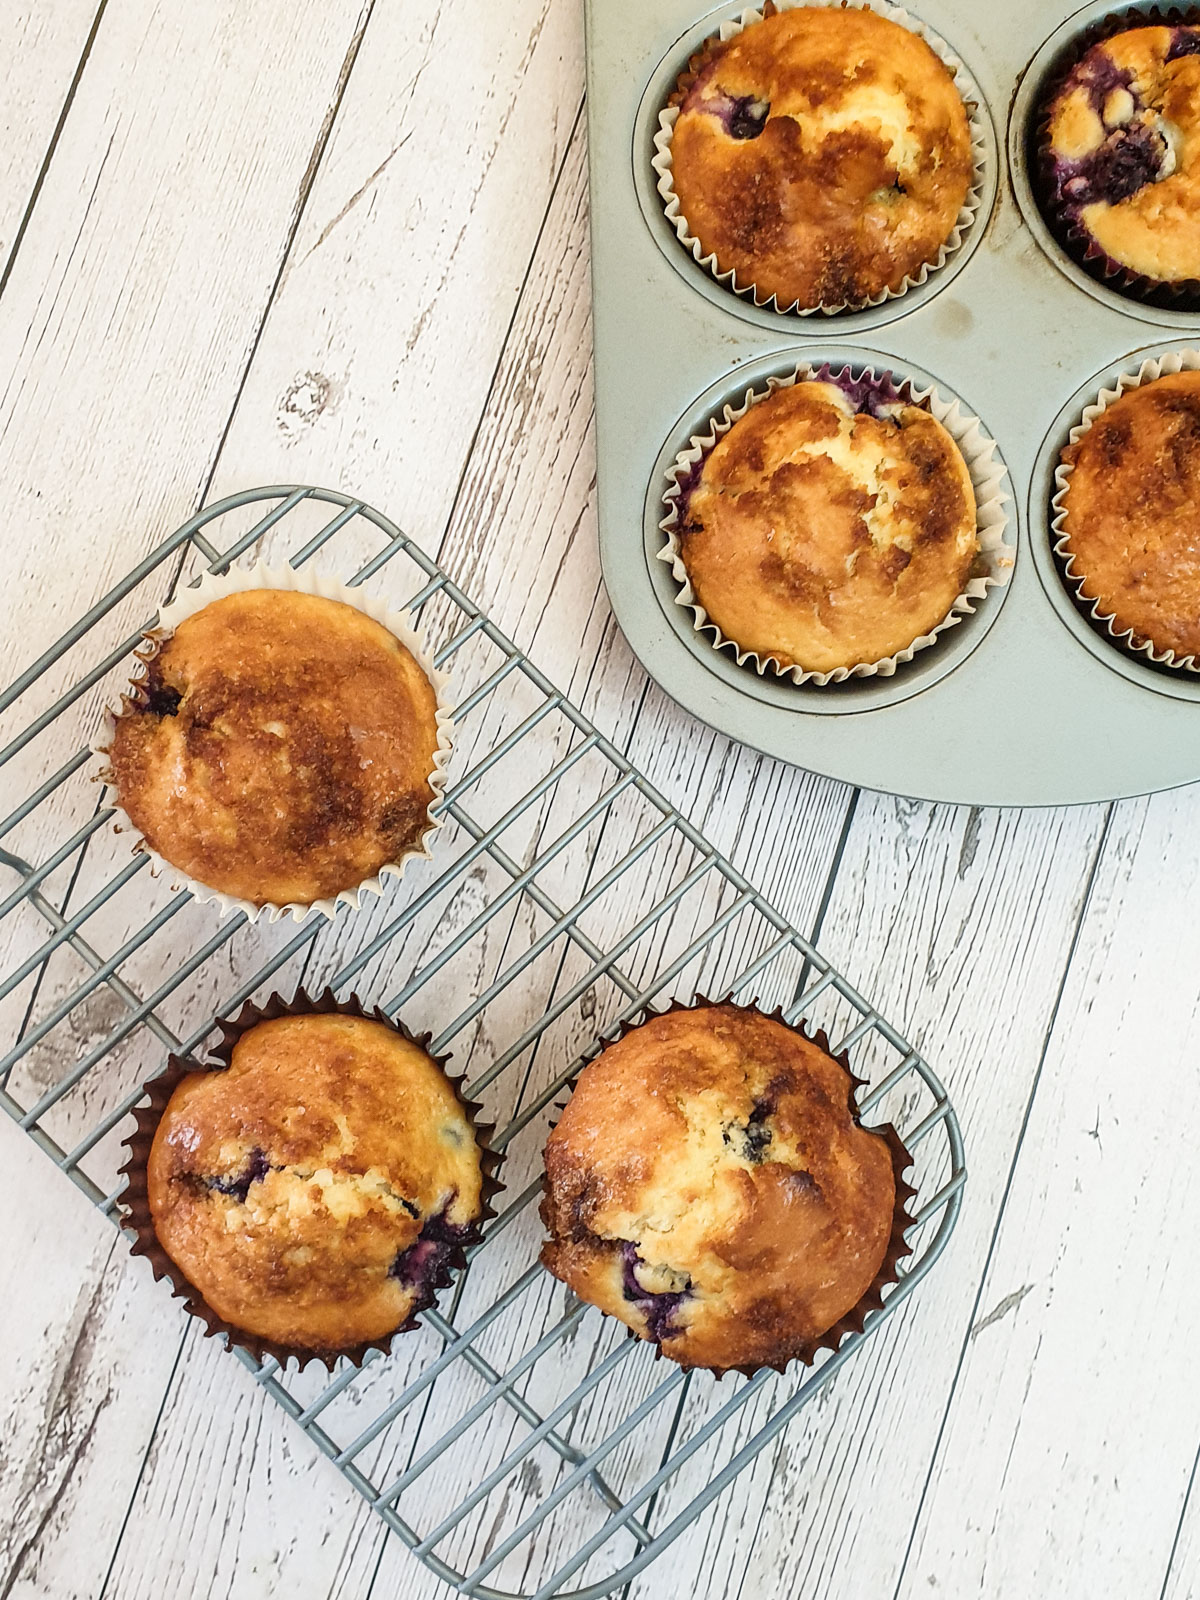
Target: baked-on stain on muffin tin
[1021, 704]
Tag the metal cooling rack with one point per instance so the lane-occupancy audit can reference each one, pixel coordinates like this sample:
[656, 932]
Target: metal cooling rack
[517, 1442]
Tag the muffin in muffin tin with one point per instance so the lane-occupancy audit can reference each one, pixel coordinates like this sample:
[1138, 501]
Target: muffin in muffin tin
[281, 748]
[710, 1185]
[831, 527]
[823, 156]
[1125, 521]
[310, 1191]
[1120, 156]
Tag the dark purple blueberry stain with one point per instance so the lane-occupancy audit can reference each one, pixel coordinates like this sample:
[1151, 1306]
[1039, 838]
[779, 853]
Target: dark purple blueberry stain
[688, 484]
[1132, 155]
[423, 1263]
[254, 1171]
[743, 117]
[869, 394]
[659, 1310]
[751, 1139]
[159, 699]
[1186, 42]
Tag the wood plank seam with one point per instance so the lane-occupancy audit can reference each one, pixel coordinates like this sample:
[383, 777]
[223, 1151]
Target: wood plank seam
[68, 101]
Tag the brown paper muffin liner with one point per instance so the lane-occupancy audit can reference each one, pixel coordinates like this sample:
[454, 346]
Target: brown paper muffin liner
[1126, 640]
[1181, 295]
[993, 564]
[663, 165]
[137, 1220]
[902, 1221]
[303, 581]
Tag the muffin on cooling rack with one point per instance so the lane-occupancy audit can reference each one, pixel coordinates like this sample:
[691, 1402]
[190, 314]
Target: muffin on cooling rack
[281, 747]
[710, 1185]
[311, 1194]
[1127, 521]
[822, 155]
[1120, 150]
[832, 526]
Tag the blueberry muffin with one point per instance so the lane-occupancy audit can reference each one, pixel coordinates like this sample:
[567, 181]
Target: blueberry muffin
[709, 1184]
[823, 155]
[1121, 151]
[831, 527]
[279, 749]
[1128, 514]
[315, 1191]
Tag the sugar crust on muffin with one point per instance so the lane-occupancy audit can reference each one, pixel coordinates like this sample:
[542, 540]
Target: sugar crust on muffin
[824, 155]
[1130, 513]
[280, 748]
[709, 1185]
[832, 526]
[1123, 147]
[314, 1191]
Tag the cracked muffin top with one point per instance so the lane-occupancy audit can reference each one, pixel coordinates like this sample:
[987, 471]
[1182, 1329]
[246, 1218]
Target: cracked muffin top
[1130, 513]
[1123, 148]
[709, 1185]
[823, 154]
[315, 1191]
[831, 527]
[280, 748]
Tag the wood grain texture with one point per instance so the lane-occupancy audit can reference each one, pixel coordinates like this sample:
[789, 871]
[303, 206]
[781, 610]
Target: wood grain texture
[384, 287]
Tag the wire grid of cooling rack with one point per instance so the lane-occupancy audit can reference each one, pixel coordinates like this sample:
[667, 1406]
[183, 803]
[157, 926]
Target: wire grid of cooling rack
[518, 1442]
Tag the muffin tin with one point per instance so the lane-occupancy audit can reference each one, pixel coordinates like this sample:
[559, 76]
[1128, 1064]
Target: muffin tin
[1022, 703]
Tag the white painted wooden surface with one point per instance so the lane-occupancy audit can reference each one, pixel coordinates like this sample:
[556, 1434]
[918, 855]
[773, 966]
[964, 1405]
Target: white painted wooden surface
[346, 242]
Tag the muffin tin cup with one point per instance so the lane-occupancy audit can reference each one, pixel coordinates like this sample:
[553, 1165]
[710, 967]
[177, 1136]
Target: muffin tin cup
[137, 1220]
[993, 565]
[1155, 293]
[213, 587]
[903, 1221]
[663, 165]
[1126, 639]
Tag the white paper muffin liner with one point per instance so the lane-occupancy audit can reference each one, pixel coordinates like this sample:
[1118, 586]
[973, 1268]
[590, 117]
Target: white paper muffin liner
[662, 163]
[1126, 639]
[993, 564]
[305, 581]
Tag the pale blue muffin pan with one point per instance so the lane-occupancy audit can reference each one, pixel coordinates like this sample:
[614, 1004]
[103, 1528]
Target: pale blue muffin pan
[1024, 702]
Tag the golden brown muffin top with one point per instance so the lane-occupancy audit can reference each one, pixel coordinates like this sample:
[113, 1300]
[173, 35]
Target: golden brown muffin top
[823, 155]
[709, 1185]
[282, 749]
[1123, 138]
[314, 1190]
[822, 536]
[1132, 512]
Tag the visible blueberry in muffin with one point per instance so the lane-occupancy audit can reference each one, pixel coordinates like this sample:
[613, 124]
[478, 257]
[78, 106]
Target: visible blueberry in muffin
[832, 526]
[316, 1191]
[709, 1185]
[1128, 514]
[280, 748]
[822, 154]
[1121, 152]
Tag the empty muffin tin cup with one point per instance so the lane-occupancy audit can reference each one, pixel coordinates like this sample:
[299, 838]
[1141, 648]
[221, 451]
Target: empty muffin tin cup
[1056, 205]
[663, 165]
[137, 1220]
[903, 1221]
[993, 564]
[1126, 639]
[237, 580]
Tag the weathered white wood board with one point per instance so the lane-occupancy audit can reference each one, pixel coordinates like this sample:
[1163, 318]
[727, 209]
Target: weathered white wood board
[347, 245]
